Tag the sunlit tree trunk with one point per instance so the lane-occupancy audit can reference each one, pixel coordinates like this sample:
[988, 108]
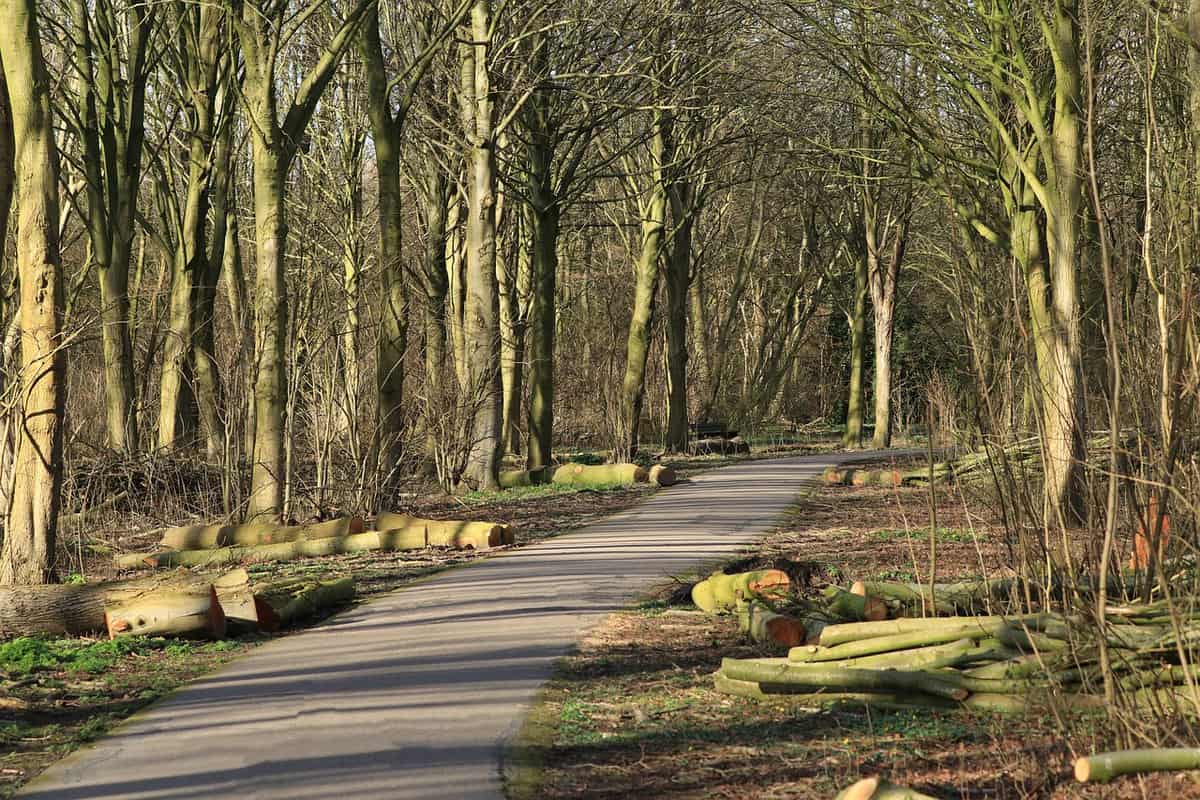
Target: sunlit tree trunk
[679, 267]
[884, 257]
[653, 208]
[513, 285]
[857, 320]
[31, 519]
[543, 313]
[481, 314]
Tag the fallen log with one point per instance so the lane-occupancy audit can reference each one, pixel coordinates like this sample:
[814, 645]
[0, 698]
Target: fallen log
[840, 634]
[720, 592]
[285, 602]
[77, 609]
[876, 789]
[1103, 767]
[448, 533]
[179, 610]
[662, 475]
[765, 626]
[857, 607]
[887, 644]
[198, 537]
[833, 476]
[818, 677]
[593, 474]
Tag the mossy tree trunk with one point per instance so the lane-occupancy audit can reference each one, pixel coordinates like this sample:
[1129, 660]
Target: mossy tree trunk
[481, 312]
[110, 109]
[275, 143]
[886, 241]
[31, 519]
[652, 207]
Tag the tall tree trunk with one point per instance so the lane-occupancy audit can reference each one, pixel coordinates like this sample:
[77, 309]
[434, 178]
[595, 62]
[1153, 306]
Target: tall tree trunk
[698, 319]
[679, 266]
[544, 276]
[883, 270]
[270, 314]
[857, 320]
[456, 278]
[637, 348]
[513, 286]
[435, 285]
[481, 313]
[31, 520]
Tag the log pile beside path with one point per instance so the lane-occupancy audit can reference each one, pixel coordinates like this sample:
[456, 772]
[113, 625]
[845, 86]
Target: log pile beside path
[393, 532]
[179, 603]
[591, 475]
[852, 652]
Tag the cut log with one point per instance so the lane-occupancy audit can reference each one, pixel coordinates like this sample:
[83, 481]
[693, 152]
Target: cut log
[1103, 767]
[448, 533]
[237, 600]
[857, 607]
[728, 589]
[180, 610]
[702, 597]
[284, 602]
[839, 634]
[662, 475]
[818, 677]
[599, 474]
[832, 476]
[876, 789]
[198, 537]
[887, 644]
[765, 626]
[77, 609]
[902, 701]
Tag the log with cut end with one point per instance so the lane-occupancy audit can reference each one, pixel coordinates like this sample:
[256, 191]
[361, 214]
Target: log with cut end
[284, 602]
[77, 609]
[817, 677]
[833, 476]
[840, 634]
[662, 475]
[1103, 767]
[721, 592]
[599, 474]
[177, 610]
[198, 537]
[853, 606]
[764, 625]
[448, 533]
[877, 789]
[887, 644]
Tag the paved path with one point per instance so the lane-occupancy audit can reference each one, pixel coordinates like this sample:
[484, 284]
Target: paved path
[413, 695]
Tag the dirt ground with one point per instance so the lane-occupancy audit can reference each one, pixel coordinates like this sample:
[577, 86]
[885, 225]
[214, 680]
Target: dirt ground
[636, 715]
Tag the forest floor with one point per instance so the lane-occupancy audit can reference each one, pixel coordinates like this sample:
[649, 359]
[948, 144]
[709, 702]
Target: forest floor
[57, 694]
[633, 712]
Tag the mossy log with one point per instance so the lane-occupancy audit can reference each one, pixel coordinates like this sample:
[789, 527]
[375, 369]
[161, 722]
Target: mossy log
[448, 532]
[288, 551]
[765, 626]
[860, 608]
[662, 475]
[594, 474]
[77, 609]
[284, 602]
[877, 789]
[198, 537]
[184, 609]
[932, 657]
[1103, 767]
[888, 644]
[720, 592]
[820, 676]
[839, 634]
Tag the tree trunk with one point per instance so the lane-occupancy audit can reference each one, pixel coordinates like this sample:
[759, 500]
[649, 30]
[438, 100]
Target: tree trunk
[679, 266]
[31, 521]
[637, 347]
[481, 314]
[7, 164]
[883, 274]
[858, 346]
[513, 286]
[544, 274]
[270, 312]
[435, 281]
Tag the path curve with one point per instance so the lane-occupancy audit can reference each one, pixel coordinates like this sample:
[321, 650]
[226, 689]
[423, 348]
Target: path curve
[414, 694]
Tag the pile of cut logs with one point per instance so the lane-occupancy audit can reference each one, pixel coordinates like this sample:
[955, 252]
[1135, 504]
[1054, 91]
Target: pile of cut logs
[178, 603]
[845, 648]
[591, 475]
[257, 542]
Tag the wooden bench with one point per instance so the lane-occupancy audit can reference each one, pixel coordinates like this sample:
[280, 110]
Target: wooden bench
[711, 430]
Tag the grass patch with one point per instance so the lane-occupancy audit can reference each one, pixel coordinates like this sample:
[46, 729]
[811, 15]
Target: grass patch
[922, 535]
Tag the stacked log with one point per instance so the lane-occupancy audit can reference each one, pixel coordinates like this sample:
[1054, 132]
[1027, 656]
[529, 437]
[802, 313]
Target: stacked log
[204, 537]
[394, 532]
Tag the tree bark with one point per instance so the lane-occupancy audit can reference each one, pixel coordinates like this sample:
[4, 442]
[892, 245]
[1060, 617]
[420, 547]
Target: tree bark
[544, 275]
[653, 208]
[31, 522]
[857, 320]
[481, 317]
[679, 266]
